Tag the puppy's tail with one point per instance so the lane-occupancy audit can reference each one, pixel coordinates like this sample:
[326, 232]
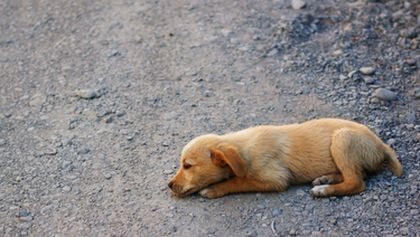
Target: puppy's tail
[393, 163]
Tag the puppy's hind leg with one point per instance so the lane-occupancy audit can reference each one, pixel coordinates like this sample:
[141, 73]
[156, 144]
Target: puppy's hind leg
[347, 151]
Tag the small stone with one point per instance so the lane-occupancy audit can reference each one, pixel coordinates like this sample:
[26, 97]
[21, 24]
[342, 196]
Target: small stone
[110, 119]
[208, 93]
[298, 4]
[83, 151]
[277, 212]
[107, 175]
[165, 143]
[168, 171]
[350, 75]
[25, 218]
[114, 53]
[66, 189]
[50, 151]
[23, 212]
[87, 94]
[272, 52]
[369, 80]
[129, 138]
[416, 92]
[411, 61]
[404, 230]
[409, 33]
[367, 70]
[251, 233]
[226, 32]
[120, 113]
[337, 52]
[385, 94]
[2, 142]
[300, 193]
[414, 212]
[342, 77]
[391, 141]
[397, 14]
[37, 100]
[173, 228]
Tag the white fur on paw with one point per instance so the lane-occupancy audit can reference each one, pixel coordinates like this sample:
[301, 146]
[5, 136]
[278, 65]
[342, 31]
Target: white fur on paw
[320, 190]
[204, 192]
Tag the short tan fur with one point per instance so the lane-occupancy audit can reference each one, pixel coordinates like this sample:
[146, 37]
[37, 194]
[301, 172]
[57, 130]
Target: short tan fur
[334, 154]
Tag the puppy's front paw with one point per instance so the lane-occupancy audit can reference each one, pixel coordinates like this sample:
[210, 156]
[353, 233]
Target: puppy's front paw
[210, 193]
[320, 191]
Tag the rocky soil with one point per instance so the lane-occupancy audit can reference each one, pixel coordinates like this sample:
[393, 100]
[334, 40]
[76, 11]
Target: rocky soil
[98, 98]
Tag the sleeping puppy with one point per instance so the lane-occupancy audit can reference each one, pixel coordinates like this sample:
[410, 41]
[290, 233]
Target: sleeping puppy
[333, 154]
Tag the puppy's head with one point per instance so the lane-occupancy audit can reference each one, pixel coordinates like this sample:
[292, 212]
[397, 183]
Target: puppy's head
[205, 161]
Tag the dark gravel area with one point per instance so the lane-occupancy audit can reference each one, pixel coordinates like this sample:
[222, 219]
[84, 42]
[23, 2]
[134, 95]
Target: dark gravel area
[97, 99]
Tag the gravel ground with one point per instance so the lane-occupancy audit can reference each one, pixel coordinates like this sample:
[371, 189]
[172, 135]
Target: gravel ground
[98, 98]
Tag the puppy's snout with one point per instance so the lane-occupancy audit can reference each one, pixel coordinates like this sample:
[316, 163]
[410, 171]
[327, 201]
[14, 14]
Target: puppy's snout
[171, 184]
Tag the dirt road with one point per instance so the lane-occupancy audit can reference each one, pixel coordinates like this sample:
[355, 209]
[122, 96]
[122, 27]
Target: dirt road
[97, 100]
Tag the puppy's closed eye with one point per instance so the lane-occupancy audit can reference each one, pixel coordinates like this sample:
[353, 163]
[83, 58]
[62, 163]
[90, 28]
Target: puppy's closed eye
[186, 166]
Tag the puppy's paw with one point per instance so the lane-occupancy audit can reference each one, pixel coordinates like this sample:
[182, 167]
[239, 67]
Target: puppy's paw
[210, 193]
[322, 180]
[320, 190]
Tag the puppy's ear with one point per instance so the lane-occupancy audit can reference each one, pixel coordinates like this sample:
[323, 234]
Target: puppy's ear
[228, 155]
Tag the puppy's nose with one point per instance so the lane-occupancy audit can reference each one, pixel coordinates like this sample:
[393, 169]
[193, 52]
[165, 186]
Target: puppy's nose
[170, 184]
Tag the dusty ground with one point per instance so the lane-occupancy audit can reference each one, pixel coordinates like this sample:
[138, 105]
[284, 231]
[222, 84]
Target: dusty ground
[98, 98]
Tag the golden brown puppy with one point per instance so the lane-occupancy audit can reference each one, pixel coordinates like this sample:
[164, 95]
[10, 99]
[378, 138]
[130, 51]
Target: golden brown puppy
[333, 154]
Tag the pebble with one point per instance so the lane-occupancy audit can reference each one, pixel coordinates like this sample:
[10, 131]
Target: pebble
[385, 94]
[391, 141]
[25, 218]
[168, 171]
[272, 52]
[173, 228]
[414, 212]
[66, 189]
[225, 32]
[292, 232]
[114, 53]
[24, 212]
[408, 33]
[277, 212]
[84, 151]
[120, 113]
[417, 92]
[50, 151]
[350, 75]
[107, 175]
[369, 80]
[87, 94]
[298, 4]
[342, 77]
[37, 100]
[165, 143]
[2, 142]
[367, 70]
[337, 52]
[404, 231]
[411, 61]
[208, 93]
